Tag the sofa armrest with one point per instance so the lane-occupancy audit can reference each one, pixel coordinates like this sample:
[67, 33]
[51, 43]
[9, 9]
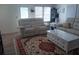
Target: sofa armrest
[20, 27]
[59, 25]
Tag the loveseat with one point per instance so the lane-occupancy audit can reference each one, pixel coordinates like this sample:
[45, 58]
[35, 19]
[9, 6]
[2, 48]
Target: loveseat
[32, 26]
[74, 26]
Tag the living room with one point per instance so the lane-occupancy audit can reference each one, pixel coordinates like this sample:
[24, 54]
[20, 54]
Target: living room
[39, 29]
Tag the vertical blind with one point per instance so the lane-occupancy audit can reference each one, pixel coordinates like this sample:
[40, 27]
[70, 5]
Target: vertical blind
[24, 12]
[47, 11]
[40, 12]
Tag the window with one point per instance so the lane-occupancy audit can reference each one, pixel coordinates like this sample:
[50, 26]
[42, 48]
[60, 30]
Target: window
[24, 12]
[38, 12]
[47, 11]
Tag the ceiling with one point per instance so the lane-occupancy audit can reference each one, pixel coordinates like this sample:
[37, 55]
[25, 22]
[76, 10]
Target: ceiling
[24, 5]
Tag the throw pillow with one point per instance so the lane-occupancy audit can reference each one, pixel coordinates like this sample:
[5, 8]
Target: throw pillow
[67, 25]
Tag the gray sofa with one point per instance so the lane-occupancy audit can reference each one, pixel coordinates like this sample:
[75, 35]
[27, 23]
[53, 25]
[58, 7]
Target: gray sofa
[32, 26]
[74, 26]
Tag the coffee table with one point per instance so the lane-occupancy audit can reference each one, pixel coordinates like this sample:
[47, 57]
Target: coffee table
[64, 40]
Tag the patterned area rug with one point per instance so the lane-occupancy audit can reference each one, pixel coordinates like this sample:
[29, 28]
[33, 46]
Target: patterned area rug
[38, 45]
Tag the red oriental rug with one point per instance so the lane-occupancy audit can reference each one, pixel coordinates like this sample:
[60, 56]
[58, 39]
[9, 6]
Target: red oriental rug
[38, 45]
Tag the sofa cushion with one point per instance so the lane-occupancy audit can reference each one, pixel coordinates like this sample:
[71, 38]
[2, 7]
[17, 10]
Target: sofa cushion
[71, 21]
[76, 24]
[28, 29]
[23, 22]
[28, 26]
[71, 30]
[76, 32]
[62, 28]
[40, 28]
[43, 27]
[32, 26]
[66, 25]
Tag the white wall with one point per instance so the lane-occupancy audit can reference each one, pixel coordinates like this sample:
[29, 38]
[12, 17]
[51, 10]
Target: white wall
[8, 18]
[62, 9]
[5, 23]
[70, 12]
[77, 15]
[14, 16]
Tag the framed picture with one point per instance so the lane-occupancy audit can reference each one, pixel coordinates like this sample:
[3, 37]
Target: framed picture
[32, 10]
[61, 10]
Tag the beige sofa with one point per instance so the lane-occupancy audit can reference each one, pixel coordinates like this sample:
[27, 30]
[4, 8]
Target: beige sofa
[32, 26]
[74, 26]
